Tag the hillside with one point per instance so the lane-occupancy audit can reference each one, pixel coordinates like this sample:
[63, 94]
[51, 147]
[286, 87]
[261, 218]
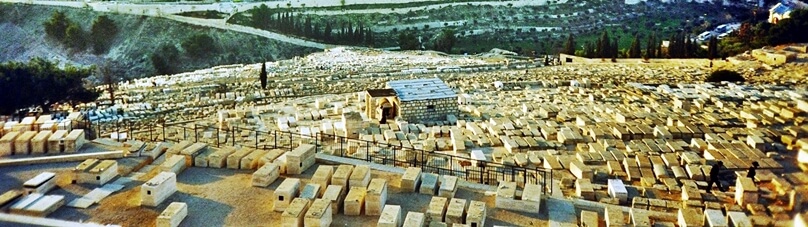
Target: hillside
[138, 38]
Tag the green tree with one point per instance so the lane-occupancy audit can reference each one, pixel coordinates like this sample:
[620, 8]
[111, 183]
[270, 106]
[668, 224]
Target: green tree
[446, 40]
[261, 17]
[56, 26]
[369, 37]
[102, 33]
[569, 47]
[162, 59]
[75, 37]
[62, 85]
[589, 50]
[408, 41]
[650, 46]
[712, 48]
[604, 45]
[198, 46]
[635, 51]
[263, 75]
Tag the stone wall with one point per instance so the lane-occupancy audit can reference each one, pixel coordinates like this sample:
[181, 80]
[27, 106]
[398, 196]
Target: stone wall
[427, 110]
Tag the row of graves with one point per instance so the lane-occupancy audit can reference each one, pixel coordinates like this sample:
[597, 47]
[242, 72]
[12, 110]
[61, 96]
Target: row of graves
[36, 197]
[654, 138]
[41, 135]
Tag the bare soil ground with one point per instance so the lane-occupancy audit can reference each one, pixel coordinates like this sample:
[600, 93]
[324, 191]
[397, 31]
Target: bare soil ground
[224, 197]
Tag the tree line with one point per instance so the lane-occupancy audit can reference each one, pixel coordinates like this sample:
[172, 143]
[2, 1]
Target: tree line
[752, 34]
[288, 22]
[443, 41]
[40, 83]
[70, 33]
[749, 36]
[197, 46]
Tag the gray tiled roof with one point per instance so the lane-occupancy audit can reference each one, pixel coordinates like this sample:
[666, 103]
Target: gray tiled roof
[421, 89]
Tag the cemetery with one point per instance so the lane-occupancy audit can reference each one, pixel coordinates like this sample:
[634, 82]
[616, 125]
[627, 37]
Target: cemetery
[585, 144]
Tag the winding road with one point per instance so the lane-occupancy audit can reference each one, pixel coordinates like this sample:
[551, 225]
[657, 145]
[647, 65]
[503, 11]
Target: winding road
[167, 10]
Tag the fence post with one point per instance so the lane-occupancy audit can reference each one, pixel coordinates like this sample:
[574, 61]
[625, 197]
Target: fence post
[423, 160]
[184, 134]
[524, 175]
[256, 138]
[544, 182]
[341, 151]
[233, 134]
[217, 136]
[367, 154]
[551, 180]
[275, 142]
[451, 165]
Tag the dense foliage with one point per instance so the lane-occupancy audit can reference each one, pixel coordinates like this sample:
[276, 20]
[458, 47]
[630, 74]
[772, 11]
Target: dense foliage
[408, 41]
[752, 35]
[70, 33]
[199, 46]
[162, 59]
[102, 34]
[289, 22]
[725, 75]
[41, 83]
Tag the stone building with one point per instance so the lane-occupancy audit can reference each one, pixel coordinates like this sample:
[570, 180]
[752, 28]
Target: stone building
[412, 101]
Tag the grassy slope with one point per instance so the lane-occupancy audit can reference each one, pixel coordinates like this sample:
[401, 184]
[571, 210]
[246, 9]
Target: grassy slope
[137, 40]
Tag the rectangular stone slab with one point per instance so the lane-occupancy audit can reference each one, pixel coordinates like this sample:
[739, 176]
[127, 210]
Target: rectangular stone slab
[360, 177]
[319, 214]
[589, 218]
[715, 218]
[335, 194]
[414, 219]
[411, 179]
[429, 183]
[376, 197]
[285, 193]
[390, 217]
[294, 214]
[355, 201]
[341, 175]
[476, 214]
[437, 208]
[448, 186]
[455, 211]
[173, 215]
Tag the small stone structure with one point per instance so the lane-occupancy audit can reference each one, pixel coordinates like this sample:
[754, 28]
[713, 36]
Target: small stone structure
[173, 215]
[412, 101]
[94, 171]
[158, 189]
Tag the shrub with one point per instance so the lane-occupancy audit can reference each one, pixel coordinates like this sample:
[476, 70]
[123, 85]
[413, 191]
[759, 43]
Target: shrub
[725, 75]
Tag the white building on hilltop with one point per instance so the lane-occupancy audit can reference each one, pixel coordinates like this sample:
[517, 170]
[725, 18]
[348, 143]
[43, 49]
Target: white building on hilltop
[783, 10]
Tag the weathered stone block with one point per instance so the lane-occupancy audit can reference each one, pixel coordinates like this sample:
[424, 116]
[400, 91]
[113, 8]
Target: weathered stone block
[355, 201]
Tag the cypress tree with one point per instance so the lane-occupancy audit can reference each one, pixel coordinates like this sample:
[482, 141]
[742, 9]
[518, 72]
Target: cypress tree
[569, 47]
[604, 48]
[712, 48]
[635, 51]
[263, 75]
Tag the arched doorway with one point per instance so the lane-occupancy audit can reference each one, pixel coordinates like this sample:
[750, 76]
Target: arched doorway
[387, 110]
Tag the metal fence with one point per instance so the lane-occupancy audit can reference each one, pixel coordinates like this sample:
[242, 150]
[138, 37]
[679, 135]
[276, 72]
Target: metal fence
[478, 171]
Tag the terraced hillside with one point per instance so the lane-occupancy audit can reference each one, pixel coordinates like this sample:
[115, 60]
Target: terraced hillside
[138, 39]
